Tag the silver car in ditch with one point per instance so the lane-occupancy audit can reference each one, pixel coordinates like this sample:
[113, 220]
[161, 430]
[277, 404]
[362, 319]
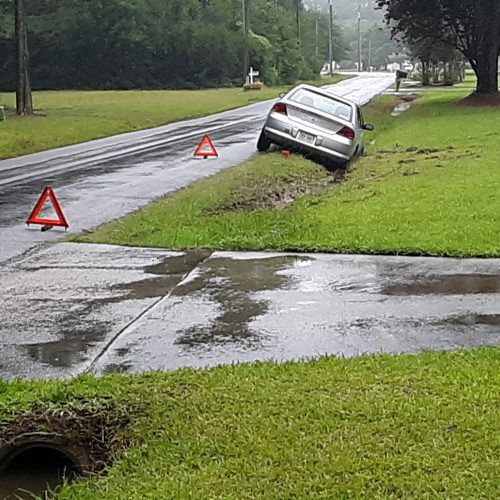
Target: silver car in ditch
[317, 122]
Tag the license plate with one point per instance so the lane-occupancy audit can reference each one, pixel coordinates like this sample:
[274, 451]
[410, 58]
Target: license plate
[305, 137]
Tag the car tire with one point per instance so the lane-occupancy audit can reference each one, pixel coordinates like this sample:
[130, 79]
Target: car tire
[263, 144]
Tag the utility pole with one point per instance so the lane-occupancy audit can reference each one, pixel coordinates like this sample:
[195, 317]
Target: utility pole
[297, 18]
[24, 101]
[369, 54]
[317, 35]
[359, 38]
[246, 27]
[330, 38]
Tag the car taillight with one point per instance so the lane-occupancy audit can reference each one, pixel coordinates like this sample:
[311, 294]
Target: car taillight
[347, 132]
[279, 107]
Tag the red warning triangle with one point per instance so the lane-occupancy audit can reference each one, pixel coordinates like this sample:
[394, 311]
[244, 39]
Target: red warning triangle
[206, 148]
[34, 218]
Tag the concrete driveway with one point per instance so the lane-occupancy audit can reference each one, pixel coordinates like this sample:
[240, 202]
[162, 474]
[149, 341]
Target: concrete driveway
[69, 309]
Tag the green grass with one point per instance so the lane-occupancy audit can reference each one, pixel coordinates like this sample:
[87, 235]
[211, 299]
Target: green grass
[370, 427]
[429, 185]
[70, 117]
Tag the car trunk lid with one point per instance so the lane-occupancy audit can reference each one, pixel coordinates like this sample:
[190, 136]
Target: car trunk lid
[314, 120]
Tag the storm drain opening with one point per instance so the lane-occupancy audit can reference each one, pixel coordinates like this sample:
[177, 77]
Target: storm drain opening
[35, 468]
[47, 447]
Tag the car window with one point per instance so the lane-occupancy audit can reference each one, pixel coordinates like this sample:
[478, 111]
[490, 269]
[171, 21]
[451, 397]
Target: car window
[322, 103]
[361, 120]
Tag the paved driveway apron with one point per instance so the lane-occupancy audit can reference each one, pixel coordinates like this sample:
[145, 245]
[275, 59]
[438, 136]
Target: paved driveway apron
[70, 309]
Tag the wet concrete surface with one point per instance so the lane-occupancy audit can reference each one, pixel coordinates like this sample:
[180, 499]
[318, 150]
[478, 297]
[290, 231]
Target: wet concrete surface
[69, 309]
[102, 180]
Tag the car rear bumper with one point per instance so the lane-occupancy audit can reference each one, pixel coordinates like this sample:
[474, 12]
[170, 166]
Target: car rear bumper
[284, 133]
[284, 139]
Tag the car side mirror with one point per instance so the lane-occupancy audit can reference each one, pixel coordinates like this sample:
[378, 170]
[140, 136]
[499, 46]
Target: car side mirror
[282, 95]
[368, 126]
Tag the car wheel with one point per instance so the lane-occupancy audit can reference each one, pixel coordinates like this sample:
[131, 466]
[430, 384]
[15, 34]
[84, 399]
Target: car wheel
[263, 144]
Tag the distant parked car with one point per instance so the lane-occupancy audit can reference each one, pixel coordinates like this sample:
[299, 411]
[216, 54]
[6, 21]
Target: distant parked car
[316, 122]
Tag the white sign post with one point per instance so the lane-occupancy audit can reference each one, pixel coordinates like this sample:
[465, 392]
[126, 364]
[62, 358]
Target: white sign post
[252, 74]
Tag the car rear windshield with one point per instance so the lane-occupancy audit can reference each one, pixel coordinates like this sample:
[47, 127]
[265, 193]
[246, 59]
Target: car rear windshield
[322, 103]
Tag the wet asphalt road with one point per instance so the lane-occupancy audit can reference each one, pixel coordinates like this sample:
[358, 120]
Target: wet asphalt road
[70, 309]
[109, 178]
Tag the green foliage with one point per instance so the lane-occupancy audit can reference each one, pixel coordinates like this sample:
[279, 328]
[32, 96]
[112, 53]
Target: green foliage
[470, 26]
[124, 44]
[377, 47]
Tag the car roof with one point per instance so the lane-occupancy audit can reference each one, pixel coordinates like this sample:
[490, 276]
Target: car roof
[324, 92]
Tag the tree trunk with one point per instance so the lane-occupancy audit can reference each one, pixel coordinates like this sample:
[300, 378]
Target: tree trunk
[458, 72]
[426, 77]
[488, 42]
[435, 70]
[448, 75]
[487, 71]
[297, 19]
[24, 101]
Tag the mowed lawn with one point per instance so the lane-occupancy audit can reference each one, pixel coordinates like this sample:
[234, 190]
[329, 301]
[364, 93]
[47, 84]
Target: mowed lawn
[429, 185]
[371, 427]
[70, 117]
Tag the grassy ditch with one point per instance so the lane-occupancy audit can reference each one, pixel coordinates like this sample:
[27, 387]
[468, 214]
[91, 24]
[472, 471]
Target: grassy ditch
[428, 186]
[70, 117]
[370, 427]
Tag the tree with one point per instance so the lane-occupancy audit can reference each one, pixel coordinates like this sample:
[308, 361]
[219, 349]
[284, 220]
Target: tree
[347, 10]
[125, 44]
[376, 43]
[24, 100]
[470, 26]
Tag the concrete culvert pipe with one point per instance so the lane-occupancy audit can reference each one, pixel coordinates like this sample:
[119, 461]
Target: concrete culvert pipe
[38, 462]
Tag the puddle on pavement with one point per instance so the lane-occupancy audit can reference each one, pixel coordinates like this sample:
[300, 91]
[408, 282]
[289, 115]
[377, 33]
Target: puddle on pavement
[453, 284]
[474, 319]
[179, 264]
[78, 331]
[230, 285]
[149, 288]
[81, 325]
[404, 104]
[170, 272]
[401, 107]
[114, 368]
[366, 325]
